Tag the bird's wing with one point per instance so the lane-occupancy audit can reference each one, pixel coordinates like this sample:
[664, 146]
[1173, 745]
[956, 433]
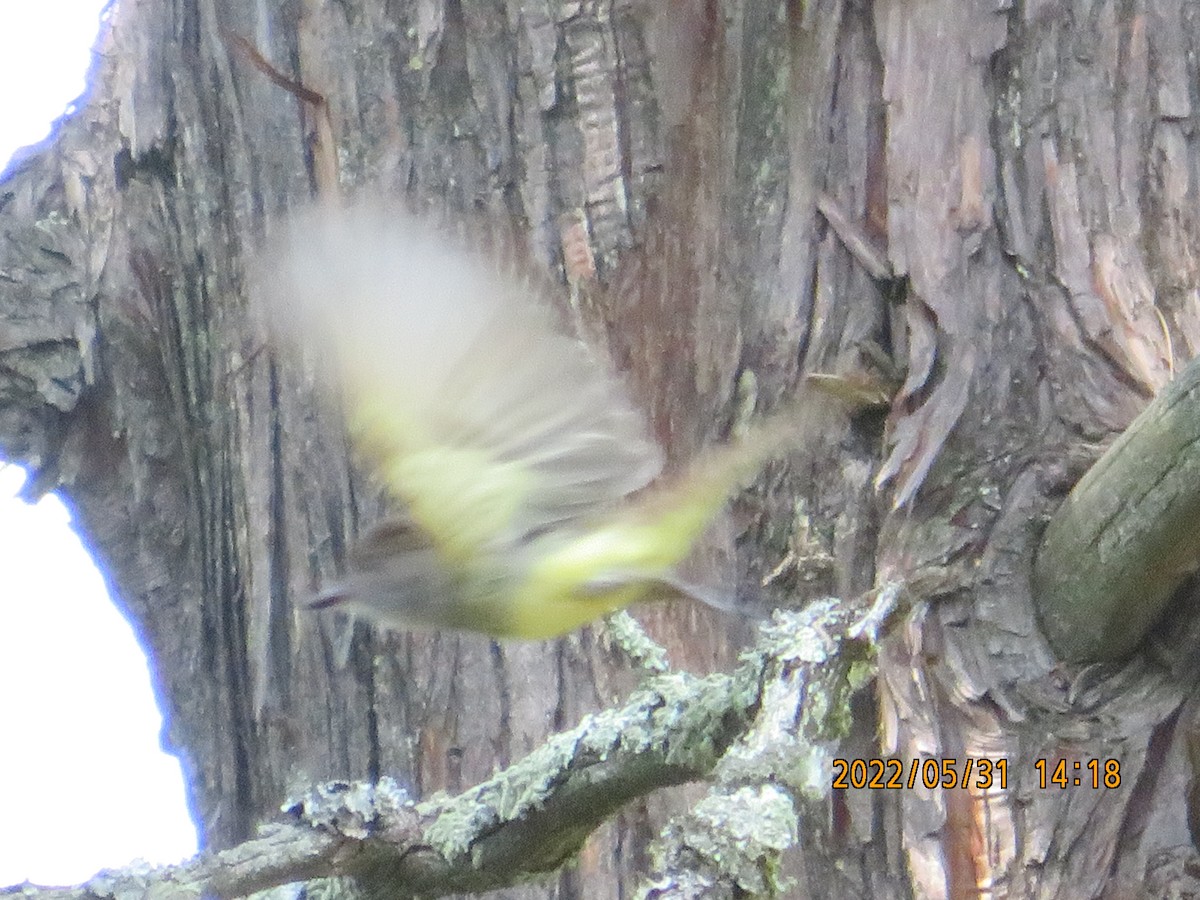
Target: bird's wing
[620, 554]
[483, 419]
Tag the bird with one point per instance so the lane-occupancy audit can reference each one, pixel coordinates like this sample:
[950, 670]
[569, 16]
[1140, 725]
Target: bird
[525, 479]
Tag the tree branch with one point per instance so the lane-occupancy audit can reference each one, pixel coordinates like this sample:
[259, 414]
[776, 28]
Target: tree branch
[1127, 535]
[768, 730]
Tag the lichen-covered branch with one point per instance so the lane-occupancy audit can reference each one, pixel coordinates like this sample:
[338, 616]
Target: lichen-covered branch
[1127, 535]
[730, 843]
[766, 731]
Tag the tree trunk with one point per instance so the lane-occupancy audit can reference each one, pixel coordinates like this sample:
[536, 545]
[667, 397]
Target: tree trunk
[981, 211]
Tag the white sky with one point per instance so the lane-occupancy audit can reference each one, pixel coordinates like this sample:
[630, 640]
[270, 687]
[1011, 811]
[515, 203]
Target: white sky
[83, 783]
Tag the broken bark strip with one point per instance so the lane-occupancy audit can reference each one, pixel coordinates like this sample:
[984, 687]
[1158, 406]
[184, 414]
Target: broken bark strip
[1127, 535]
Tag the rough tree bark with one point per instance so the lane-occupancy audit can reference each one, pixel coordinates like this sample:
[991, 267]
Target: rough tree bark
[982, 211]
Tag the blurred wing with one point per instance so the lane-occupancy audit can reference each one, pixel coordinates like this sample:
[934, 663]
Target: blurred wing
[487, 423]
[631, 553]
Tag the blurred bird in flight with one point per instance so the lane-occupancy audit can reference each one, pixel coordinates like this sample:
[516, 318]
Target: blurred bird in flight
[520, 468]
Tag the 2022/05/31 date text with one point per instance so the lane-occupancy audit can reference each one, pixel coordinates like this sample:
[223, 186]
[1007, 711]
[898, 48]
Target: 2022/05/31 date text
[930, 772]
[980, 773]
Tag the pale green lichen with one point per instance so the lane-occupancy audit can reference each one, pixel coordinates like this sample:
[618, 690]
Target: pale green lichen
[811, 771]
[349, 808]
[860, 674]
[626, 634]
[741, 834]
[797, 636]
[676, 717]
